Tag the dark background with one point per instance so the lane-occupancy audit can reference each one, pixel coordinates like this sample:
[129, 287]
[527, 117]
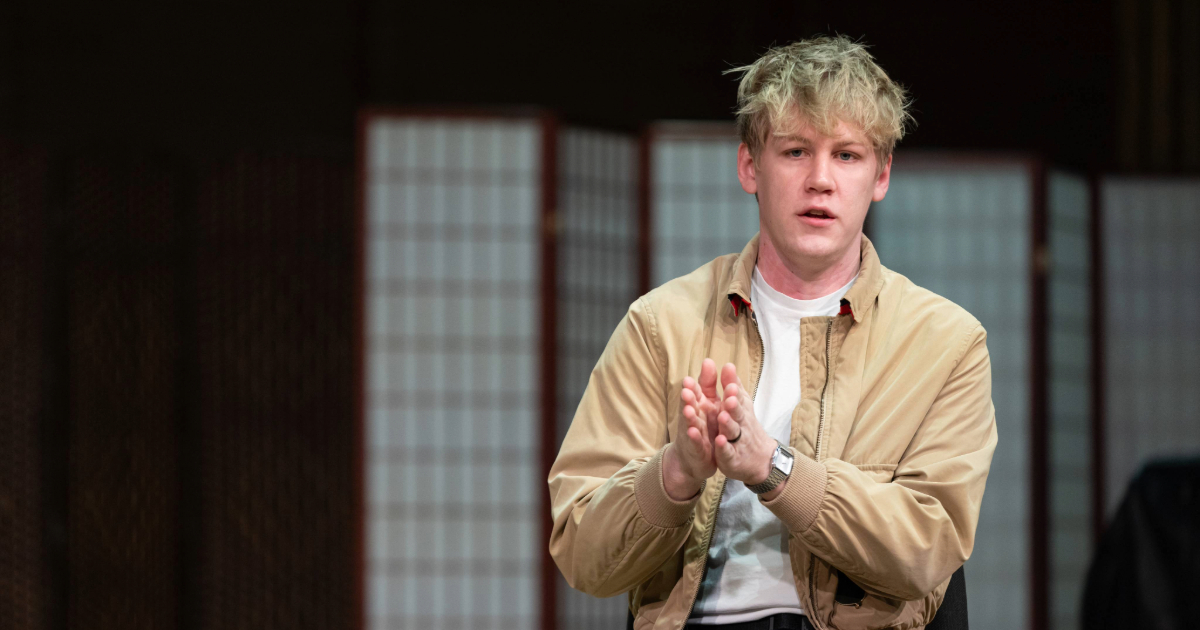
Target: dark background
[1088, 83]
[1042, 76]
[177, 393]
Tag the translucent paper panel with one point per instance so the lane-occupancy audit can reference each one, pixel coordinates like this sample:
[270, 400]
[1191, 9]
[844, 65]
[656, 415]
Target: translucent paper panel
[597, 280]
[1070, 492]
[699, 209]
[963, 231]
[453, 514]
[1151, 240]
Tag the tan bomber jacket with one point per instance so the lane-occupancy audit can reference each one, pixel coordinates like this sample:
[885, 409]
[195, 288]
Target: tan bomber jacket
[892, 448]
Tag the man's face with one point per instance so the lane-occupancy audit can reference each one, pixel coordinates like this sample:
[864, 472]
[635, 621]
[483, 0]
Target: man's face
[814, 191]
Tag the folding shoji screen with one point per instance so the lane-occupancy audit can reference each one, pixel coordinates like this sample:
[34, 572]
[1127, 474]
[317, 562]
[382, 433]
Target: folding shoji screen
[698, 210]
[1150, 285]
[1070, 364]
[1006, 240]
[453, 224]
[499, 255]
[597, 280]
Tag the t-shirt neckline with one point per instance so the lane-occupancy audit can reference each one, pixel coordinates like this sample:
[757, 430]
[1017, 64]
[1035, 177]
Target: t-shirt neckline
[786, 305]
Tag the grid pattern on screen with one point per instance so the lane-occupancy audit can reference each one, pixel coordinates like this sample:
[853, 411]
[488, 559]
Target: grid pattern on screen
[699, 210]
[453, 474]
[963, 232]
[1069, 347]
[1151, 240]
[273, 320]
[22, 356]
[597, 280]
[122, 443]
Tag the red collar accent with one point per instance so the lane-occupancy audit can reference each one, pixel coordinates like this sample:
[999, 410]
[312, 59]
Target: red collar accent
[738, 304]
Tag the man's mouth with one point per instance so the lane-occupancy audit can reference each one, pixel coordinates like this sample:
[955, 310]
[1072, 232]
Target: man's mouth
[817, 216]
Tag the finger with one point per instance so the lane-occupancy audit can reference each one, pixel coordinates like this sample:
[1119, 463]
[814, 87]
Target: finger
[702, 407]
[723, 450]
[729, 375]
[710, 414]
[733, 402]
[699, 444]
[698, 393]
[747, 403]
[700, 424]
[728, 427]
[708, 378]
[692, 420]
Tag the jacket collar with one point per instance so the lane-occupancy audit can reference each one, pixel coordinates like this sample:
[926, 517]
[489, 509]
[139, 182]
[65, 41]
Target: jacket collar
[858, 300]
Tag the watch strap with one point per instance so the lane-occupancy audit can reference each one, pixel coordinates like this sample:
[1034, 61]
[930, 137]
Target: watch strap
[777, 476]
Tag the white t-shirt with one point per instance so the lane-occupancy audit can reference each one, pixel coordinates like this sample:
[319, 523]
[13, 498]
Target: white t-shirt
[749, 573]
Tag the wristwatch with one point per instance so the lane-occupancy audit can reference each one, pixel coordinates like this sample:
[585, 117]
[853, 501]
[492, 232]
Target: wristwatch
[781, 467]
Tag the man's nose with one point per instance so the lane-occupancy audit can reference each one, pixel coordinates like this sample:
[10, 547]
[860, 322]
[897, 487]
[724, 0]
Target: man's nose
[820, 178]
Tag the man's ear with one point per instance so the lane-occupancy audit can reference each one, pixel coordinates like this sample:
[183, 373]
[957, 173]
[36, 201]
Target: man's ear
[746, 170]
[882, 180]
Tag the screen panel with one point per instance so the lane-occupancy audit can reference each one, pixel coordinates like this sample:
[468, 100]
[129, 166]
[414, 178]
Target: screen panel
[1070, 385]
[453, 510]
[963, 231]
[1151, 246]
[699, 210]
[597, 281]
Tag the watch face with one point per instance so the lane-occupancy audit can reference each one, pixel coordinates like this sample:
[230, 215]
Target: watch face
[785, 461]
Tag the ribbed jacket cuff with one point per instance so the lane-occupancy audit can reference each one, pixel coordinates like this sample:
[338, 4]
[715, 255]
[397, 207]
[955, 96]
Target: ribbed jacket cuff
[801, 499]
[656, 506]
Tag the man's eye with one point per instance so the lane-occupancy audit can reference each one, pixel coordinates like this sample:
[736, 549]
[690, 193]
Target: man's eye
[795, 152]
[845, 156]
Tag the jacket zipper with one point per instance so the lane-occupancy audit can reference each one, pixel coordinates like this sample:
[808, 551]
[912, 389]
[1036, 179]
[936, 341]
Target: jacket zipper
[812, 562]
[712, 522]
[763, 359]
[825, 388]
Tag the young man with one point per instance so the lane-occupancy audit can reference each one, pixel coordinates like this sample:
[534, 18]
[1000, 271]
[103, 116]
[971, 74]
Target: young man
[795, 430]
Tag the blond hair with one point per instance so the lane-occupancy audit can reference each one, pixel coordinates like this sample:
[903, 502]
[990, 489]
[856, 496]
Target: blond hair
[821, 81]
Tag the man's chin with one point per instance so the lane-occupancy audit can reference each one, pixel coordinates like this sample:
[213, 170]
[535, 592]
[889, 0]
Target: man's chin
[814, 248]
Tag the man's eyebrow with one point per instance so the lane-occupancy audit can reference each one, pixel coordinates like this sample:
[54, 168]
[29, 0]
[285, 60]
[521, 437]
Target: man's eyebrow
[849, 142]
[795, 138]
[808, 141]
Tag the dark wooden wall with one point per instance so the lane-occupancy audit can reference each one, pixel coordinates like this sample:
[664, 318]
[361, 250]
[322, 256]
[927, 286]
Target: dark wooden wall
[176, 414]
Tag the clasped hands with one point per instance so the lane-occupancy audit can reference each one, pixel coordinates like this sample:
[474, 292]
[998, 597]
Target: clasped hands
[716, 431]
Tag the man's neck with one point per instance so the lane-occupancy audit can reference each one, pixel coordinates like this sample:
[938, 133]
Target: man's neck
[808, 280]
